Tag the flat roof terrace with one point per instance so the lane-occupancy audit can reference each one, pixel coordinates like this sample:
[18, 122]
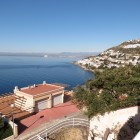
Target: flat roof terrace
[42, 88]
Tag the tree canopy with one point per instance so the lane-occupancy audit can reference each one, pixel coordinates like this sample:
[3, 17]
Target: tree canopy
[111, 89]
[5, 129]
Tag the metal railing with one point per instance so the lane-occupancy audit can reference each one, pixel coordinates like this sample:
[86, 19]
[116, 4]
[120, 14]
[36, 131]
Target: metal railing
[69, 122]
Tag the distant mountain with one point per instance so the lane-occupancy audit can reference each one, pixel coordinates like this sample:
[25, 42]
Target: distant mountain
[78, 54]
[21, 54]
[81, 53]
[63, 54]
[124, 54]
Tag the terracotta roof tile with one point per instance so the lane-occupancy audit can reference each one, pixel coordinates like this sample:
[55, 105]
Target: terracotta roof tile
[40, 89]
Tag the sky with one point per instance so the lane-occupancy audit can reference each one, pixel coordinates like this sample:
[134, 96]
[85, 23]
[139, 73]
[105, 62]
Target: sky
[67, 25]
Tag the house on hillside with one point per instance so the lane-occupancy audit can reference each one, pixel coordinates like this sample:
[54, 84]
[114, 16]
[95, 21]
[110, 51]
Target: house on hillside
[39, 97]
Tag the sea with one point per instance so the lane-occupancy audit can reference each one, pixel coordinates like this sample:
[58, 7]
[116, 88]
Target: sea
[23, 71]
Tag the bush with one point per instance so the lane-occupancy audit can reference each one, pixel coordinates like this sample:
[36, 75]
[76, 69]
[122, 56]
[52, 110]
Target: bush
[5, 130]
[112, 89]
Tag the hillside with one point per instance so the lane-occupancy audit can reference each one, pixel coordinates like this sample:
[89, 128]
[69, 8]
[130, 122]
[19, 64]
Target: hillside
[112, 89]
[124, 54]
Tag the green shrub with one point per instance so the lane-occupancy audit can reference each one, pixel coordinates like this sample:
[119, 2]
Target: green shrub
[5, 130]
[106, 91]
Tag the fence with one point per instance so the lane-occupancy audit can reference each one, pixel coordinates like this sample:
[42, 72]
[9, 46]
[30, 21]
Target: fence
[70, 122]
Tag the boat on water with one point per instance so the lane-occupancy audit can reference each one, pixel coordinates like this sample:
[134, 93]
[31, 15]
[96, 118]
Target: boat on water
[45, 56]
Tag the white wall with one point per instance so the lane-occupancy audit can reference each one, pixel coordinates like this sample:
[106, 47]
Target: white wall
[15, 128]
[109, 120]
[29, 104]
[30, 99]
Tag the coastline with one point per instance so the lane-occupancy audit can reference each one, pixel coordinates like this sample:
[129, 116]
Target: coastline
[87, 69]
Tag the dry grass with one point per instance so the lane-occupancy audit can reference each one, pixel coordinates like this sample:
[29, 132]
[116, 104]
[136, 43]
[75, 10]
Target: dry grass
[79, 133]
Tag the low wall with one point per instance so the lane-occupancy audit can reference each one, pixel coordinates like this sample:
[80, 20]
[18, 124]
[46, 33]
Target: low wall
[15, 128]
[116, 119]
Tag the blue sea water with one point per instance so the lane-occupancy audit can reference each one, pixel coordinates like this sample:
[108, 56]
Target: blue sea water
[23, 71]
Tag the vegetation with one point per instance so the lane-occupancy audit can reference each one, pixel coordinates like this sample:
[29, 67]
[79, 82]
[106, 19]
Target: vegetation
[5, 129]
[121, 48]
[111, 89]
[74, 133]
[130, 50]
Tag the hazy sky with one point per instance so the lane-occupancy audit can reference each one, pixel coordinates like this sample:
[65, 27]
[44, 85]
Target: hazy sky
[67, 25]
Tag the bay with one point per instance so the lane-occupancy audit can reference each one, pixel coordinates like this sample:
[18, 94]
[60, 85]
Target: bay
[23, 71]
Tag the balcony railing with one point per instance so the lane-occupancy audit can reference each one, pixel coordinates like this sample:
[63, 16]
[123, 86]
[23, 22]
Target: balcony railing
[69, 122]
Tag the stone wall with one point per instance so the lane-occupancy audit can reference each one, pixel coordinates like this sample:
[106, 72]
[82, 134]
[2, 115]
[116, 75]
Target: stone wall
[113, 120]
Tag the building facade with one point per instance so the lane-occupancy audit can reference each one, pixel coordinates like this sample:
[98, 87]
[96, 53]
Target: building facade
[39, 97]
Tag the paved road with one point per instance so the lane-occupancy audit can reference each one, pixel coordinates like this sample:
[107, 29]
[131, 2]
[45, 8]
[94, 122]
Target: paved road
[43, 126]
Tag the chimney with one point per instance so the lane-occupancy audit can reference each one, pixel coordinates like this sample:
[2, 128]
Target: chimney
[44, 82]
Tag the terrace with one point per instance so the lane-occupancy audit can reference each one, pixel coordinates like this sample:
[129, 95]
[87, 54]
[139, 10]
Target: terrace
[5, 106]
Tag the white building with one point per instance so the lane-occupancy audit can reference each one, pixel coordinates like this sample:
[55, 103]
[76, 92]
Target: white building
[39, 97]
